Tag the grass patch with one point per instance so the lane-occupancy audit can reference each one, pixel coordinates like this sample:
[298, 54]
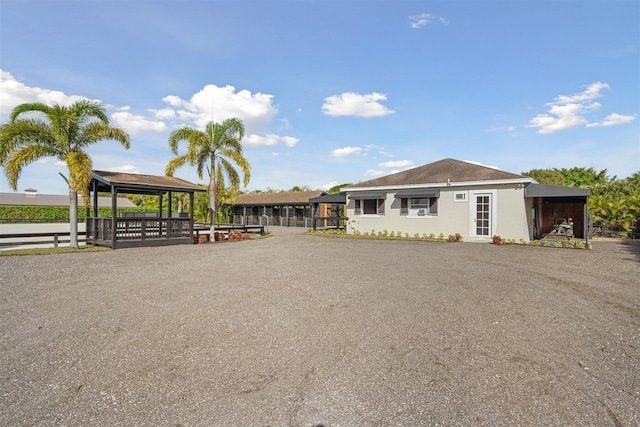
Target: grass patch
[49, 251]
[261, 236]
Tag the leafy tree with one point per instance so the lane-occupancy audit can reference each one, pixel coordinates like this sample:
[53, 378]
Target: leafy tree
[336, 188]
[546, 176]
[216, 149]
[36, 130]
[298, 188]
[584, 177]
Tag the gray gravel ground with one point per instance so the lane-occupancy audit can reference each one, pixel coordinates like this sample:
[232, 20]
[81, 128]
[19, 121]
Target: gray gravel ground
[299, 330]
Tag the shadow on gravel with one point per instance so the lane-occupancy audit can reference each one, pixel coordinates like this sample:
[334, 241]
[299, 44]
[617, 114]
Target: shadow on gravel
[632, 247]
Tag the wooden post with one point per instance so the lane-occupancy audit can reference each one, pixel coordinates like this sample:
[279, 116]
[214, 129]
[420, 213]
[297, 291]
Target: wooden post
[94, 232]
[191, 214]
[114, 225]
[55, 240]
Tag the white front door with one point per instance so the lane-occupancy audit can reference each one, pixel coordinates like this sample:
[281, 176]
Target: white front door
[482, 213]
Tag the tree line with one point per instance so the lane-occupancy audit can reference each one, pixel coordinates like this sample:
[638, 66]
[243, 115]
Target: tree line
[614, 202]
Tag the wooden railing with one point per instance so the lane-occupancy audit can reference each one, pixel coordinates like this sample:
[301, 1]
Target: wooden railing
[338, 222]
[138, 228]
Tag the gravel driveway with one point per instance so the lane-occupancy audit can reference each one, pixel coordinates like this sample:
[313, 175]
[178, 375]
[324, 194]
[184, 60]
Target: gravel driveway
[298, 330]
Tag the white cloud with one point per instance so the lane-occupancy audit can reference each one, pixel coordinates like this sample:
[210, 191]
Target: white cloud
[423, 19]
[125, 169]
[14, 93]
[375, 173]
[354, 104]
[289, 140]
[220, 103]
[134, 123]
[254, 140]
[511, 130]
[164, 113]
[569, 111]
[396, 164]
[346, 151]
[328, 185]
[617, 119]
[268, 140]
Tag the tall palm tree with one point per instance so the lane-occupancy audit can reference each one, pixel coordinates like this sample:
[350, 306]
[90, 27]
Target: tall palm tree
[216, 149]
[37, 130]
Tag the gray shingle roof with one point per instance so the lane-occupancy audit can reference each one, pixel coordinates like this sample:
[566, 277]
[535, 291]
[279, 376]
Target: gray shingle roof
[441, 171]
[280, 198]
[145, 182]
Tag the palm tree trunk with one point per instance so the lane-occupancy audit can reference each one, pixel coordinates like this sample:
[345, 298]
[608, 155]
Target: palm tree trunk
[212, 203]
[73, 218]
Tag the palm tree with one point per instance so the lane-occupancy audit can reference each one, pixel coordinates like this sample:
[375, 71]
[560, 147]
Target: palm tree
[36, 130]
[216, 149]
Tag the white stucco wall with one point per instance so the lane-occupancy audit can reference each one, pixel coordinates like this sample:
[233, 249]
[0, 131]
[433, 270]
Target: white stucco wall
[511, 214]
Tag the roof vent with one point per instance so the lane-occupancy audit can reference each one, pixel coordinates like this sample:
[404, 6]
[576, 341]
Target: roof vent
[30, 192]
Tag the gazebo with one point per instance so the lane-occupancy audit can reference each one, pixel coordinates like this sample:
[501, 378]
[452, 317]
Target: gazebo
[139, 229]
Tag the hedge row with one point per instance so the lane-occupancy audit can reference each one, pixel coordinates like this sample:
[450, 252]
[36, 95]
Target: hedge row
[27, 214]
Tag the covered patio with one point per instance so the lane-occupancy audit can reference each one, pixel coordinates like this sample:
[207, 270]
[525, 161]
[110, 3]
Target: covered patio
[553, 204]
[144, 229]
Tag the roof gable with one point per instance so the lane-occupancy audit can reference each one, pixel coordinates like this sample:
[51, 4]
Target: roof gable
[442, 171]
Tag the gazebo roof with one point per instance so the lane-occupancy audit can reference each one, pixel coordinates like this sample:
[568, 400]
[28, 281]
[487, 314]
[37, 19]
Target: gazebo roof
[142, 184]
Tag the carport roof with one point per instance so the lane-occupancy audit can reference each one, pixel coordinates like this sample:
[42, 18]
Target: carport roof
[543, 190]
[338, 198]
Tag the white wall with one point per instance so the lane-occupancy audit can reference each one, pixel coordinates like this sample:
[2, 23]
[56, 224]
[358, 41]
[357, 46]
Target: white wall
[511, 215]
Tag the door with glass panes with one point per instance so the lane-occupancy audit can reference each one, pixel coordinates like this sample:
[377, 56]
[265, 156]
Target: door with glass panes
[482, 214]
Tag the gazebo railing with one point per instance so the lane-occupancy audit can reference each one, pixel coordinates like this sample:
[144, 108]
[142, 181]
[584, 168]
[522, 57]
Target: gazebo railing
[138, 228]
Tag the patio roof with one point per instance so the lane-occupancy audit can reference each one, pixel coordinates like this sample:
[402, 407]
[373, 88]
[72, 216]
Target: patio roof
[543, 190]
[337, 198]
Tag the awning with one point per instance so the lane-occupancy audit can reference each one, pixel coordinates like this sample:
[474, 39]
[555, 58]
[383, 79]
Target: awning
[543, 190]
[367, 196]
[416, 194]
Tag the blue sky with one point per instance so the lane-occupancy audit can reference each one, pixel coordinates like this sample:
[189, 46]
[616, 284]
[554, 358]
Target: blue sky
[337, 91]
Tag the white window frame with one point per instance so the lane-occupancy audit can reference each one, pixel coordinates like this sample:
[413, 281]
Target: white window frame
[413, 210]
[464, 194]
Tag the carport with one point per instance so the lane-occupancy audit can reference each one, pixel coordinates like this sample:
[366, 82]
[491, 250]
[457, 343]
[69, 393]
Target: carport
[553, 203]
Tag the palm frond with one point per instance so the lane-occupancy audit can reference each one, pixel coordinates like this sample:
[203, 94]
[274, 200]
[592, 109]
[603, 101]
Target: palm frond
[21, 133]
[231, 173]
[28, 107]
[241, 161]
[175, 164]
[20, 158]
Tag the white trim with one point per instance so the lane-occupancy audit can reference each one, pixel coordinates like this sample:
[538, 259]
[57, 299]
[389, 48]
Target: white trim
[392, 188]
[493, 213]
[464, 199]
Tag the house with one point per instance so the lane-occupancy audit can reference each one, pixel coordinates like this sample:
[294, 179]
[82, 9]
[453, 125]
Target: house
[452, 196]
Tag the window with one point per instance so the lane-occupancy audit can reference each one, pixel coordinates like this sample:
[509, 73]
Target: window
[369, 206]
[419, 206]
[459, 196]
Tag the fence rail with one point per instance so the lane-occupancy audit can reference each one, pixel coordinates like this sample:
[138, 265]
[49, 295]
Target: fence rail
[52, 238]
